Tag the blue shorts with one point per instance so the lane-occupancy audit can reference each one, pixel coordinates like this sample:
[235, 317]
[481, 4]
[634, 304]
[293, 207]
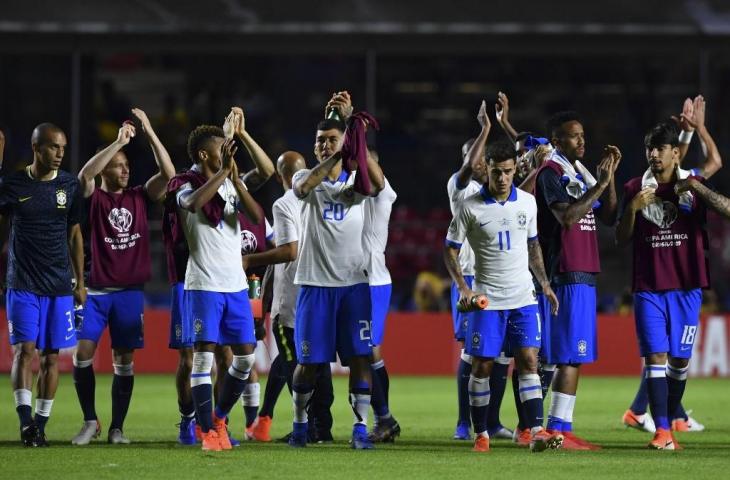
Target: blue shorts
[460, 319]
[666, 322]
[572, 332]
[217, 317]
[331, 320]
[491, 330]
[45, 320]
[122, 310]
[380, 299]
[178, 317]
[545, 310]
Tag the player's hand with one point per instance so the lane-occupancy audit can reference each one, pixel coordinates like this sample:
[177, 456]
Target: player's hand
[126, 132]
[342, 102]
[645, 197]
[143, 120]
[604, 173]
[501, 108]
[233, 175]
[239, 121]
[552, 298]
[259, 328]
[541, 155]
[687, 112]
[79, 293]
[697, 118]
[616, 154]
[228, 151]
[482, 116]
[465, 297]
[685, 185]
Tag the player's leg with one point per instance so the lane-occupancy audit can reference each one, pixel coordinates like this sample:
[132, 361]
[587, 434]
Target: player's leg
[636, 416]
[250, 400]
[320, 406]
[23, 313]
[463, 371]
[497, 387]
[89, 327]
[126, 329]
[545, 369]
[354, 334]
[315, 343]
[186, 434]
[46, 387]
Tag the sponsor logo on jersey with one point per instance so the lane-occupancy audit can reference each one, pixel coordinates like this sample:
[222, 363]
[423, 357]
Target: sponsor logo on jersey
[61, 198]
[120, 219]
[249, 244]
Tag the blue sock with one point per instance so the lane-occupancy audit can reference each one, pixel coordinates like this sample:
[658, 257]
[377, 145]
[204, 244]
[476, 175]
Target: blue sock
[251, 414]
[680, 413]
[381, 384]
[566, 426]
[676, 381]
[25, 414]
[41, 421]
[122, 386]
[546, 372]
[521, 422]
[462, 389]
[656, 386]
[85, 383]
[531, 397]
[479, 402]
[497, 386]
[229, 394]
[203, 401]
[641, 400]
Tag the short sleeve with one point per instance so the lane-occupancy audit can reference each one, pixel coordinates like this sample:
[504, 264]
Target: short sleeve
[532, 226]
[296, 178]
[550, 187]
[269, 230]
[457, 229]
[184, 189]
[77, 212]
[285, 225]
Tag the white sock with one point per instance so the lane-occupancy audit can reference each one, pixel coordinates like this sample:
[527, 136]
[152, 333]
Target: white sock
[251, 395]
[360, 403]
[43, 407]
[22, 397]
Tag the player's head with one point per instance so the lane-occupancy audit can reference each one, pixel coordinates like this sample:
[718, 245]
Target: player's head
[328, 139]
[204, 145]
[479, 167]
[115, 174]
[466, 147]
[567, 135]
[501, 166]
[288, 164]
[662, 147]
[524, 164]
[49, 145]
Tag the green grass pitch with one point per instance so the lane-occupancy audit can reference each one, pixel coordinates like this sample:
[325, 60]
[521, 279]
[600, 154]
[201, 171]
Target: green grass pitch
[425, 408]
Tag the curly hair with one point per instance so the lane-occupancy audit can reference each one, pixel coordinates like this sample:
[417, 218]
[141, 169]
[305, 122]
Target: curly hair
[199, 136]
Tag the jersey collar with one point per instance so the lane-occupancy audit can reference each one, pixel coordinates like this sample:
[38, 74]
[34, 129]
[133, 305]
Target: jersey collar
[488, 199]
[341, 178]
[30, 174]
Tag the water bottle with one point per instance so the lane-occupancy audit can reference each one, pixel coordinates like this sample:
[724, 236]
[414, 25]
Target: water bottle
[254, 287]
[477, 302]
[333, 114]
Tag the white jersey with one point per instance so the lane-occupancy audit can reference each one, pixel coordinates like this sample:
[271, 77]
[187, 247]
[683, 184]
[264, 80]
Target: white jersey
[377, 216]
[287, 229]
[330, 248]
[498, 234]
[214, 263]
[456, 196]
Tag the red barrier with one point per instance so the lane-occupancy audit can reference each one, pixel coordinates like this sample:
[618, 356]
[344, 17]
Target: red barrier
[422, 344]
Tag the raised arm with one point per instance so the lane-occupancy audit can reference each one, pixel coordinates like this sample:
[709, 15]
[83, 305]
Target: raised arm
[696, 120]
[76, 251]
[309, 180]
[476, 152]
[157, 184]
[246, 204]
[537, 266]
[263, 166]
[715, 201]
[194, 200]
[97, 163]
[609, 200]
[501, 110]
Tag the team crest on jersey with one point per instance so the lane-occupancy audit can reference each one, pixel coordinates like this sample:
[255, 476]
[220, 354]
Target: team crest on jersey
[452, 226]
[522, 219]
[249, 244]
[476, 339]
[197, 326]
[61, 198]
[306, 349]
[582, 347]
[10, 327]
[178, 332]
[669, 211]
[121, 219]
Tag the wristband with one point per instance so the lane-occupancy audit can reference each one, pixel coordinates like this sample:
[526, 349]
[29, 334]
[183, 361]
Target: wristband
[686, 137]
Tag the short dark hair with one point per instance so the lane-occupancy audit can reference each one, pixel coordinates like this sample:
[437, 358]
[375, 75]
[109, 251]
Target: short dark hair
[523, 135]
[500, 151]
[664, 133]
[555, 122]
[331, 123]
[41, 132]
[200, 135]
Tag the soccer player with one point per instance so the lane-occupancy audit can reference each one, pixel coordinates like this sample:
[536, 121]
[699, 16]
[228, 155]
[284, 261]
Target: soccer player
[468, 180]
[45, 255]
[635, 416]
[567, 194]
[333, 311]
[377, 217]
[216, 298]
[500, 222]
[119, 259]
[663, 218]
